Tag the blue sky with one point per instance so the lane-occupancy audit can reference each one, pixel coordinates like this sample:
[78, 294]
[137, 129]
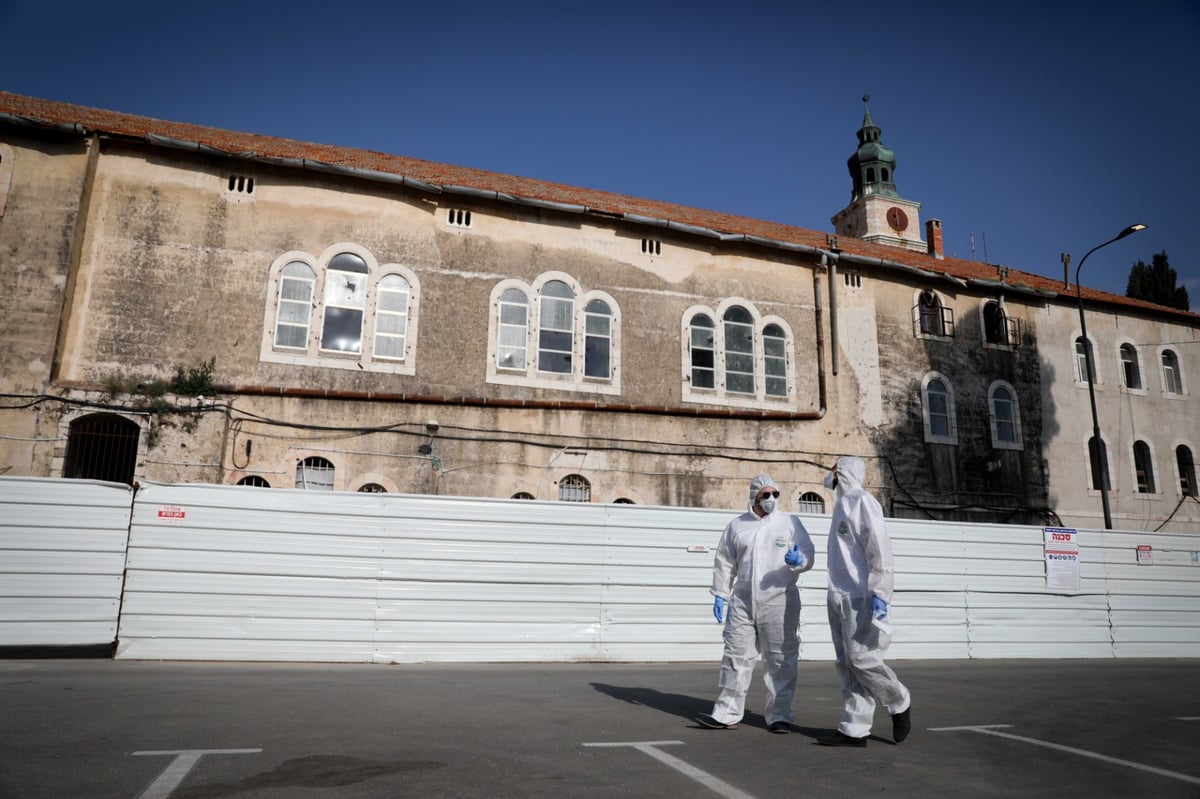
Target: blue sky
[1029, 129]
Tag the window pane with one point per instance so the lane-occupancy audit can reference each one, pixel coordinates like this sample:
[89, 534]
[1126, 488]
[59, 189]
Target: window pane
[596, 357]
[345, 289]
[294, 289]
[343, 330]
[554, 352]
[557, 314]
[597, 342]
[291, 336]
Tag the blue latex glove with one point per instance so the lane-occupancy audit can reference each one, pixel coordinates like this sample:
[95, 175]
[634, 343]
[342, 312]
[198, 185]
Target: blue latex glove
[878, 608]
[719, 609]
[795, 557]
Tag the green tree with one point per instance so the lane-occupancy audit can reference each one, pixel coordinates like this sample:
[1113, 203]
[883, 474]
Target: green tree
[1156, 284]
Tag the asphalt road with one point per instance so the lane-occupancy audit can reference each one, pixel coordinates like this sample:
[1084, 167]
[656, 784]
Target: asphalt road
[101, 728]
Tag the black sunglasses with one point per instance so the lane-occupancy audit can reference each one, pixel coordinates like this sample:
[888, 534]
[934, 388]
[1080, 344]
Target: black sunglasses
[769, 494]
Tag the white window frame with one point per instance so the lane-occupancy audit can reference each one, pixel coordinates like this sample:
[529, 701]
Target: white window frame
[311, 353]
[951, 437]
[719, 394]
[1180, 385]
[576, 378]
[1080, 365]
[1018, 442]
[1137, 365]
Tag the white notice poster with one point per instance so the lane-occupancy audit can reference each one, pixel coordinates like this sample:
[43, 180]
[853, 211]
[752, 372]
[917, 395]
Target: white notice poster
[1062, 559]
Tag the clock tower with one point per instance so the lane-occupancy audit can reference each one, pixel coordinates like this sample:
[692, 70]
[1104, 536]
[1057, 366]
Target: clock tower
[876, 212]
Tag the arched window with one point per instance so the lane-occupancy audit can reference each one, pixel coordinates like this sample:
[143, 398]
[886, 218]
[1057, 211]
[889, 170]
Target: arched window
[1143, 467]
[522, 495]
[345, 300]
[1082, 350]
[371, 488]
[556, 327]
[254, 480]
[775, 360]
[341, 310]
[931, 317]
[314, 473]
[391, 317]
[552, 335]
[703, 350]
[512, 330]
[1187, 471]
[623, 501]
[294, 309]
[574, 488]
[811, 502]
[1005, 416]
[597, 340]
[1131, 372]
[1172, 379]
[744, 361]
[739, 350]
[102, 446]
[997, 327]
[938, 410]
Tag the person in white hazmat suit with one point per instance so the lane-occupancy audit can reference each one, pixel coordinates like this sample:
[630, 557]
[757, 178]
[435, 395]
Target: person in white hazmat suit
[860, 568]
[761, 555]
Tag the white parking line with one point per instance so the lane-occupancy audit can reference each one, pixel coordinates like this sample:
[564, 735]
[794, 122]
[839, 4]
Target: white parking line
[1187, 718]
[991, 729]
[185, 760]
[703, 777]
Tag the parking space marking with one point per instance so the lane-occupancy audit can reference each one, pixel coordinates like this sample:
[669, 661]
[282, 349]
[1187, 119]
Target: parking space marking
[703, 777]
[185, 760]
[992, 729]
[1187, 718]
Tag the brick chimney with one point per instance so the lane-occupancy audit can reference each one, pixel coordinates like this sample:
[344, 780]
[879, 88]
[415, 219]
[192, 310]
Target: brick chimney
[933, 237]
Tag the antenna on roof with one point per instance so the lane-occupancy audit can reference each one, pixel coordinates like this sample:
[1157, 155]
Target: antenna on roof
[985, 258]
[972, 235]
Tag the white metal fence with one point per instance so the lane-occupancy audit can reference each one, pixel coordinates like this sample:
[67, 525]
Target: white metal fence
[234, 573]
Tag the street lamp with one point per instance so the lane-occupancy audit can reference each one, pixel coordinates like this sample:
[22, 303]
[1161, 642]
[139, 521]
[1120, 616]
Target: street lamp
[1097, 452]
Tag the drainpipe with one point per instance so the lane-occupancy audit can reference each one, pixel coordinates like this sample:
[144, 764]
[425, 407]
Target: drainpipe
[830, 260]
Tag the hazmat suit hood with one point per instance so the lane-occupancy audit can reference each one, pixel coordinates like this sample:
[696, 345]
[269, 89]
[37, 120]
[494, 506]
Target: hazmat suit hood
[851, 472]
[757, 485]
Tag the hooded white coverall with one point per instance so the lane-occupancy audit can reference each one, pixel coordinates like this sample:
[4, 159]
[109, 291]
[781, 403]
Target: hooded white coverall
[859, 561]
[763, 611]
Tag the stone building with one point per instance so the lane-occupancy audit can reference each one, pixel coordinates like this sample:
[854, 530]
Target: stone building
[188, 304]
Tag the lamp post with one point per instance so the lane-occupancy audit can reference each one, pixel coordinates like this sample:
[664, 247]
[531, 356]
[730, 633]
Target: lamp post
[1097, 452]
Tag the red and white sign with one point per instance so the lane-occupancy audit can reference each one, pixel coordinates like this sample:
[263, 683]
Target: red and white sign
[171, 513]
[1062, 558]
[1145, 555]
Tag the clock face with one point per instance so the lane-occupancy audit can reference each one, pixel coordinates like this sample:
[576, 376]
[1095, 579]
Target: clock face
[897, 218]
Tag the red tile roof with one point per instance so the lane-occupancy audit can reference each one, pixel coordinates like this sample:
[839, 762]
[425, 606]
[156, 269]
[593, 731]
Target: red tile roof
[250, 145]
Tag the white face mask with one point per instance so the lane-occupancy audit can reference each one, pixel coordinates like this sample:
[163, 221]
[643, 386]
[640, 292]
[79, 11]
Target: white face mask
[830, 481]
[768, 504]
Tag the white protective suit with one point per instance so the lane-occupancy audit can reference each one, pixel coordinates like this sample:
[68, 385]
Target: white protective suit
[859, 561]
[763, 611]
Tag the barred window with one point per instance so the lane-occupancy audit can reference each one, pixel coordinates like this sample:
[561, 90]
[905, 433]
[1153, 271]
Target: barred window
[574, 488]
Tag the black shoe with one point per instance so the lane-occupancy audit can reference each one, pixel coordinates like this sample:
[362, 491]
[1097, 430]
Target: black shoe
[901, 724]
[839, 738]
[706, 720]
[779, 727]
